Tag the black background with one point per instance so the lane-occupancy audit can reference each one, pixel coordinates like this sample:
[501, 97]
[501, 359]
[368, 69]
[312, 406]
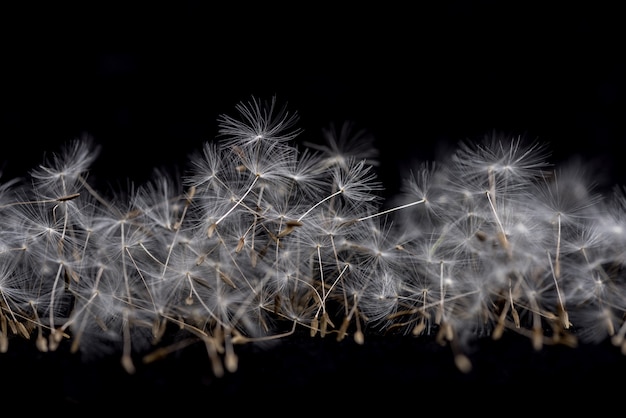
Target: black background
[148, 82]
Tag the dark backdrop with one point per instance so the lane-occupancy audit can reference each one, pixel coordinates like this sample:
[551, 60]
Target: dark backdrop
[148, 82]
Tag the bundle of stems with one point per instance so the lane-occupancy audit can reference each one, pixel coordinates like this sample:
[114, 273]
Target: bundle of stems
[262, 236]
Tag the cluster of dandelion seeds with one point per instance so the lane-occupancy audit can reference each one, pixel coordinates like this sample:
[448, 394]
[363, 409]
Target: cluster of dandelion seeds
[262, 236]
